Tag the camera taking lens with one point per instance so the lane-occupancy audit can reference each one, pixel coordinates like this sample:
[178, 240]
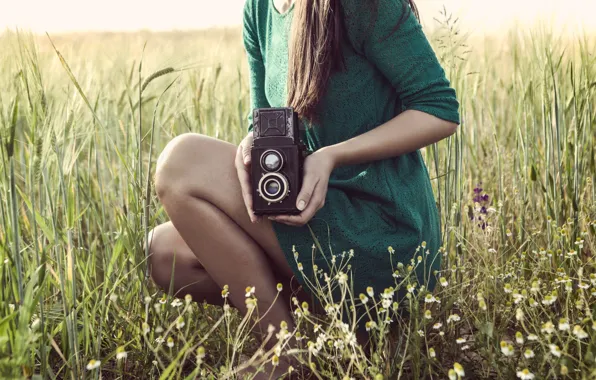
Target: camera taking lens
[273, 187]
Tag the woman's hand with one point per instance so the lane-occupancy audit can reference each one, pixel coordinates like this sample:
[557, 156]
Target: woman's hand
[317, 169]
[243, 167]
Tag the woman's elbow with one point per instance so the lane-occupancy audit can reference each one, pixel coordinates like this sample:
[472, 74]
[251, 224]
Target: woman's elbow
[450, 128]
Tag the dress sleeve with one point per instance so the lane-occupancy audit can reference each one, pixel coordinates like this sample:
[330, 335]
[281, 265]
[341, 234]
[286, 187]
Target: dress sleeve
[402, 54]
[256, 65]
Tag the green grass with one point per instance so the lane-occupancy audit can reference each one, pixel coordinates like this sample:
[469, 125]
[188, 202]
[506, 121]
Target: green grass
[80, 136]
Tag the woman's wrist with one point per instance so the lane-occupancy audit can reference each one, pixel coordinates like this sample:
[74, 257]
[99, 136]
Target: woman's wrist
[330, 155]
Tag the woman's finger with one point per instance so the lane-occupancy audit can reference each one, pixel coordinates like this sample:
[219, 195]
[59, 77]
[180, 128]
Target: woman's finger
[246, 149]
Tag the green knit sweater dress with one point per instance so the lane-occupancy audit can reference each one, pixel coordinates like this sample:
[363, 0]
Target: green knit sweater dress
[372, 206]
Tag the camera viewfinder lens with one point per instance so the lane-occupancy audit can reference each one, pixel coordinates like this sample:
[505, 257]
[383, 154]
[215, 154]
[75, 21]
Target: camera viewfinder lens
[272, 161]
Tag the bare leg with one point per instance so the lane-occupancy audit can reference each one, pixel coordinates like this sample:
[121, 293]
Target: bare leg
[189, 276]
[197, 183]
[169, 253]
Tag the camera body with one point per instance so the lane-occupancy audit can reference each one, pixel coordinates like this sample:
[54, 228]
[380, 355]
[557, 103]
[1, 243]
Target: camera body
[277, 161]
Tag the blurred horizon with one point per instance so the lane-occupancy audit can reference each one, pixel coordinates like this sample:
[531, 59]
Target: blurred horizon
[477, 17]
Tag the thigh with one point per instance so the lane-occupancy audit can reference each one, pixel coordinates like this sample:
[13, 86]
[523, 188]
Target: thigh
[204, 168]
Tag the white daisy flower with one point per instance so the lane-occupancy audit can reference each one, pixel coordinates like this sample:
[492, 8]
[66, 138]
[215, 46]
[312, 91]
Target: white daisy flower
[525, 374]
[459, 370]
[342, 278]
[93, 364]
[579, 332]
[563, 324]
[517, 298]
[548, 328]
[506, 348]
[121, 354]
[549, 299]
[555, 350]
[370, 325]
[250, 291]
[176, 303]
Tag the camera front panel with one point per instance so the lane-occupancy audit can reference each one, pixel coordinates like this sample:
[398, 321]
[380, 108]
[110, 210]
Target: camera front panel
[276, 179]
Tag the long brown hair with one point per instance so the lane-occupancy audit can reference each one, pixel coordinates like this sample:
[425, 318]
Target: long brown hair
[315, 50]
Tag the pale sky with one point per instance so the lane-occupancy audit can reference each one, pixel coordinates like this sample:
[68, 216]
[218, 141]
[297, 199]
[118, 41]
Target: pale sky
[117, 15]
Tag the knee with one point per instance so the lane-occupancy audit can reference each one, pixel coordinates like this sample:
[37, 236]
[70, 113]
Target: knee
[172, 173]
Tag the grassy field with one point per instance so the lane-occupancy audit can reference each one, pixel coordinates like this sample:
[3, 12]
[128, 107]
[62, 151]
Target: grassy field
[82, 123]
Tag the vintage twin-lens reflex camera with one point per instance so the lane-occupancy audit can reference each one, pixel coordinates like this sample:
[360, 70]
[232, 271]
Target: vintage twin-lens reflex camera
[277, 161]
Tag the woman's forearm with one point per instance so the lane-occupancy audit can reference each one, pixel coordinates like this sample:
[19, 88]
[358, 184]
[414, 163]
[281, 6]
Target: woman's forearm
[405, 133]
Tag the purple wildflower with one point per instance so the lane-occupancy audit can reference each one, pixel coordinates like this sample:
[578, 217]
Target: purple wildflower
[483, 201]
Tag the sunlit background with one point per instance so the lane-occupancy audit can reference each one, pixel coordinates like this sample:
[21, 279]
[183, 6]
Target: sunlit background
[478, 16]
